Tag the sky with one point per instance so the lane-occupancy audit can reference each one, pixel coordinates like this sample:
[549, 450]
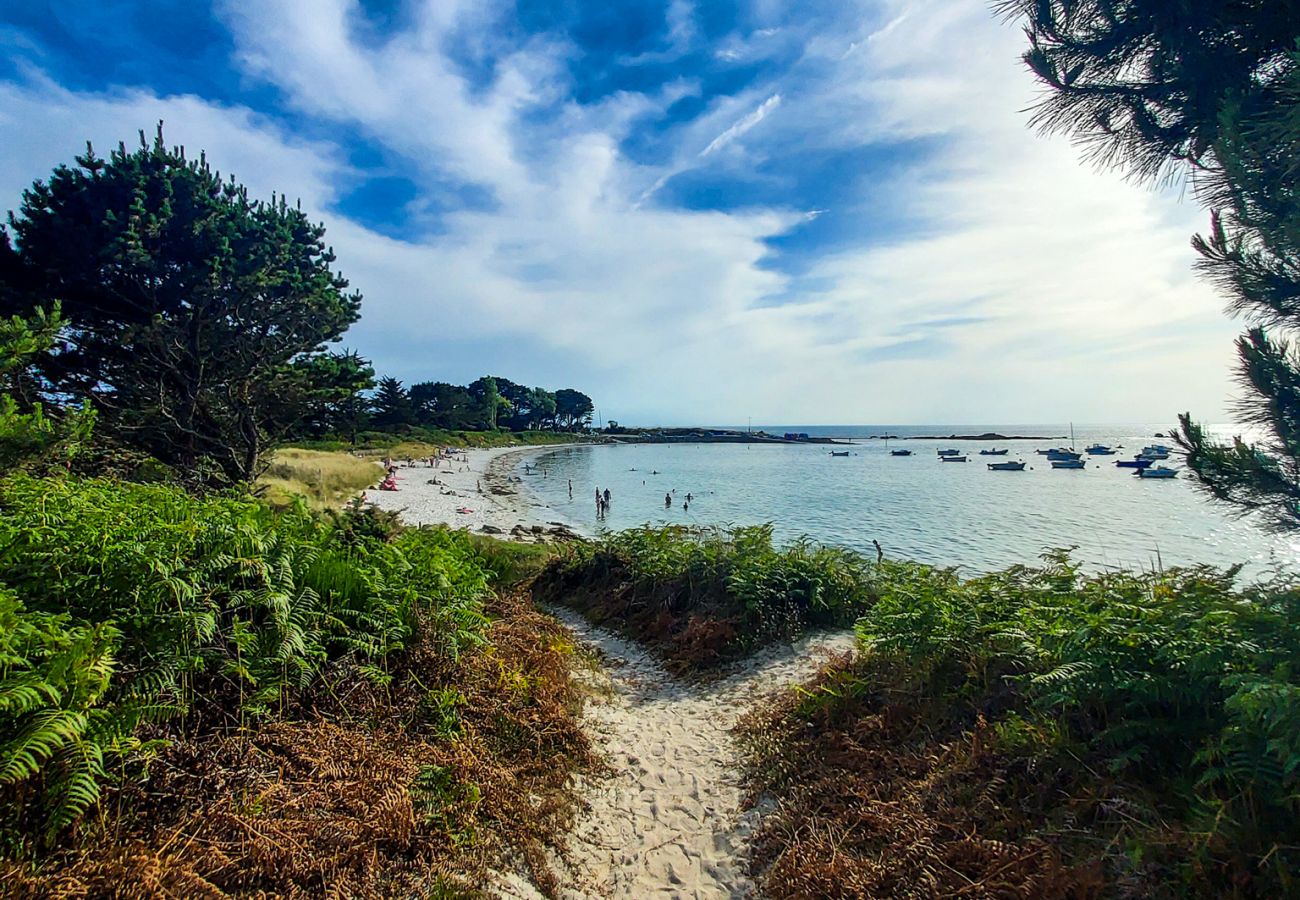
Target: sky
[695, 212]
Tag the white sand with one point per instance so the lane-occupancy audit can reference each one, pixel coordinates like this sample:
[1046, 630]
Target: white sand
[477, 480]
[668, 822]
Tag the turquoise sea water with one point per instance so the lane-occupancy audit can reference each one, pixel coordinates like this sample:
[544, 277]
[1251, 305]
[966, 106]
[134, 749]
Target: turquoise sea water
[943, 513]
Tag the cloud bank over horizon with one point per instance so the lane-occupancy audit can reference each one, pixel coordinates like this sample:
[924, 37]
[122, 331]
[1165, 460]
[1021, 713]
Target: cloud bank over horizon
[811, 213]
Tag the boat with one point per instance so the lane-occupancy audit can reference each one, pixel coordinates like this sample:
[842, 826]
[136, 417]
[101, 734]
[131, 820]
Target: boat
[1137, 462]
[947, 458]
[1099, 450]
[1008, 466]
[1042, 452]
[1157, 472]
[1064, 454]
[1075, 463]
[900, 452]
[992, 452]
[839, 453]
[948, 452]
[1156, 451]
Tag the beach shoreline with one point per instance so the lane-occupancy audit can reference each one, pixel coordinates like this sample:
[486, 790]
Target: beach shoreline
[474, 489]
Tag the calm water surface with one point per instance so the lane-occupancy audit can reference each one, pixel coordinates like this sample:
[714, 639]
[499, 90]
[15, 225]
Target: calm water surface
[943, 513]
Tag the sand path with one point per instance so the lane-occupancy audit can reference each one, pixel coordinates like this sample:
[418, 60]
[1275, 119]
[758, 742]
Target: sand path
[668, 822]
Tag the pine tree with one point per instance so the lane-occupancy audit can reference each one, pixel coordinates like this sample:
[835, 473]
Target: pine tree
[1207, 89]
[195, 317]
[392, 404]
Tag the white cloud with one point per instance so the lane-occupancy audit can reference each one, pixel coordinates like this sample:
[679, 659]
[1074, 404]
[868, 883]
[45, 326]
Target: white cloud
[1069, 292]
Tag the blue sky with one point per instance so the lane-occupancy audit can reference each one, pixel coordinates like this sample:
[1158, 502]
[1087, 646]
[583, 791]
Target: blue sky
[694, 211]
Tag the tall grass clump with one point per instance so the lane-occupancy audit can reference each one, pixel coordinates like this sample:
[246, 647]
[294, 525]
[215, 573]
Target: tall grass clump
[1129, 734]
[128, 605]
[326, 480]
[707, 596]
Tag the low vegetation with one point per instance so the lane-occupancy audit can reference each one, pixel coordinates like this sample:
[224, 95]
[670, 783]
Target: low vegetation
[217, 697]
[705, 597]
[1039, 732]
[324, 479]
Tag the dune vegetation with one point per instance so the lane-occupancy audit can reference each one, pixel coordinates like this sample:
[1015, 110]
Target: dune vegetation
[705, 597]
[323, 479]
[222, 697]
[1034, 732]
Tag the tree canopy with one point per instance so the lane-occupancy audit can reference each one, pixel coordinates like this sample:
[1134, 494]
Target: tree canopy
[486, 404]
[195, 318]
[1212, 86]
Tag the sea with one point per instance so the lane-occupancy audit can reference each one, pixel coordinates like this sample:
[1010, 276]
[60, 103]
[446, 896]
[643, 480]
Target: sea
[948, 514]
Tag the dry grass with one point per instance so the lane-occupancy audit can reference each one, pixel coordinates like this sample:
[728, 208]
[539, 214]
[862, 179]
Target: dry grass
[420, 789]
[327, 480]
[883, 797]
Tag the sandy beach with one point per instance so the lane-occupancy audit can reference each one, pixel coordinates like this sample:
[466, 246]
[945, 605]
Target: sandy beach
[477, 490]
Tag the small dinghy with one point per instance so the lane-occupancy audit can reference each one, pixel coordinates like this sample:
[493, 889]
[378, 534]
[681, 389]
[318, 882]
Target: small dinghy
[1068, 464]
[992, 452]
[1007, 466]
[948, 452]
[947, 458]
[1157, 472]
[900, 452]
[1137, 462]
[839, 453]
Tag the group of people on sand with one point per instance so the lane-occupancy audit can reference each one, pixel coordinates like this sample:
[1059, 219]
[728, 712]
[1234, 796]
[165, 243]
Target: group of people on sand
[448, 455]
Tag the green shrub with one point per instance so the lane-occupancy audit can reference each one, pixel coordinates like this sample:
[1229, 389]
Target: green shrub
[1175, 683]
[706, 596]
[127, 603]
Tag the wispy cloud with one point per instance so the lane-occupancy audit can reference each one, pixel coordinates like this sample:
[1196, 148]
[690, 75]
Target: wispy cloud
[746, 124]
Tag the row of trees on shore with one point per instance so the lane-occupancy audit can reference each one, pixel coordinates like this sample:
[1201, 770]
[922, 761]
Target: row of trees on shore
[489, 403]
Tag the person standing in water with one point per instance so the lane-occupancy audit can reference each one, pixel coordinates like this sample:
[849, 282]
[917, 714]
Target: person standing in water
[570, 488]
[668, 500]
[607, 496]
